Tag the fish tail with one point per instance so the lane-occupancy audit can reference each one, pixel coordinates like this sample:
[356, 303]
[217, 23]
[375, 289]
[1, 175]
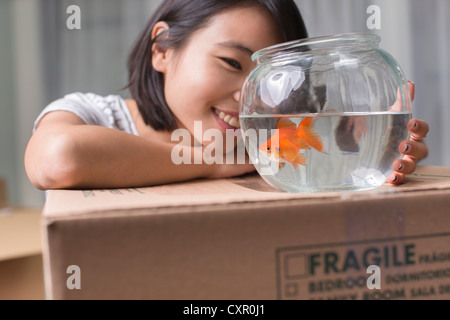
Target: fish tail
[301, 159]
[306, 132]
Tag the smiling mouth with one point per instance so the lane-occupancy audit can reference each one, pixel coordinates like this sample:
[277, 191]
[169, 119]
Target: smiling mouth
[227, 118]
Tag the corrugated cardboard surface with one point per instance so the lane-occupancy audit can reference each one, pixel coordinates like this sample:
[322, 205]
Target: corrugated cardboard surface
[20, 232]
[21, 267]
[22, 278]
[239, 239]
[248, 189]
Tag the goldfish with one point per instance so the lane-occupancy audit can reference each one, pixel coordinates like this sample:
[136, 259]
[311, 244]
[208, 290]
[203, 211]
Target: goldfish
[287, 141]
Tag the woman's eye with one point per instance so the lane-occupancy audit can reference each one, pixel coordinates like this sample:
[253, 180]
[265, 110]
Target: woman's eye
[233, 63]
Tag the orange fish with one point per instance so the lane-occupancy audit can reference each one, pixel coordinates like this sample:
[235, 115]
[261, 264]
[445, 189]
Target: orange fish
[291, 139]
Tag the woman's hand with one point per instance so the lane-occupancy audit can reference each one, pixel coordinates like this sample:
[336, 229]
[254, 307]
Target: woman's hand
[228, 170]
[413, 149]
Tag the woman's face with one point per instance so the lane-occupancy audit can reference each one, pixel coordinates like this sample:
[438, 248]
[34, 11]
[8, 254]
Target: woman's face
[203, 79]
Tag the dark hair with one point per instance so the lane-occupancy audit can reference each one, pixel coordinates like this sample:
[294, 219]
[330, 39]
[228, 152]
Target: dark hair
[184, 17]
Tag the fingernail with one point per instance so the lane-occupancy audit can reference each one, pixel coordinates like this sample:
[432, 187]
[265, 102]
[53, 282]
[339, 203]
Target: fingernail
[394, 179]
[400, 167]
[406, 148]
[414, 124]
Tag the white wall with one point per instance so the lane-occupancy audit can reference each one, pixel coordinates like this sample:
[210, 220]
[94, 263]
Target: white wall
[7, 137]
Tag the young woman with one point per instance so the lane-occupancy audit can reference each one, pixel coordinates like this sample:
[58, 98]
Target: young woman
[187, 65]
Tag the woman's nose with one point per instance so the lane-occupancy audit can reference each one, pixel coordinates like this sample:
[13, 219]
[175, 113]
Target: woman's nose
[237, 95]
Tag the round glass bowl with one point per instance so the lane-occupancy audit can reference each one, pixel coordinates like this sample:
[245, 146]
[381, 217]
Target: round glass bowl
[325, 113]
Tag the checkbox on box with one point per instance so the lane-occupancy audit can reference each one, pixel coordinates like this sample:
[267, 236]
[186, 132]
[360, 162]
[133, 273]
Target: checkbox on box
[296, 266]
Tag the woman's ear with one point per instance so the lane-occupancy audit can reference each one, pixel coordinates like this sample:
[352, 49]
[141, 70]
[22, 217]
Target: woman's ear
[159, 53]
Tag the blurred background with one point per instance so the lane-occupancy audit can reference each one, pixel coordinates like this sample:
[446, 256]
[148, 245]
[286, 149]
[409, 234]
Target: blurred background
[41, 60]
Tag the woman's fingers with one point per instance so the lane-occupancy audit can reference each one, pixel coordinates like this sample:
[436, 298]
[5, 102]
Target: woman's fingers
[418, 129]
[396, 178]
[402, 167]
[406, 165]
[414, 149]
[412, 90]
[397, 106]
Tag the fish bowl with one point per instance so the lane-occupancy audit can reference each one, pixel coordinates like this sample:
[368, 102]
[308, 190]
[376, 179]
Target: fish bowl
[325, 113]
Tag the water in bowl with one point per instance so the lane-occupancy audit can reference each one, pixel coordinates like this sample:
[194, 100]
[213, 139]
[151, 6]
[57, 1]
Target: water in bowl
[358, 150]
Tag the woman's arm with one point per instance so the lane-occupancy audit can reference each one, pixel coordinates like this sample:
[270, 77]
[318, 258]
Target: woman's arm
[65, 153]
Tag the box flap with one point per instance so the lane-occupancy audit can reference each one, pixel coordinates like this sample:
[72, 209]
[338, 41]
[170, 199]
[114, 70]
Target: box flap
[20, 233]
[249, 188]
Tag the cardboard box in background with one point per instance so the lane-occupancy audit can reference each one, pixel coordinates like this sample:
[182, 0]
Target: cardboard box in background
[22, 278]
[21, 267]
[239, 239]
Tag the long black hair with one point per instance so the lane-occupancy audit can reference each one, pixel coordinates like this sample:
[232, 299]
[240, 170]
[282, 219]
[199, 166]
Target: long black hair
[184, 17]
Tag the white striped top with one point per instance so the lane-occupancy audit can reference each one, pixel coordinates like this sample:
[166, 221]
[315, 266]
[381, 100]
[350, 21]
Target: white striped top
[110, 111]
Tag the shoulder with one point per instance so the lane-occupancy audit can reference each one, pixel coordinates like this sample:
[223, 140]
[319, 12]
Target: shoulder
[108, 111]
[92, 101]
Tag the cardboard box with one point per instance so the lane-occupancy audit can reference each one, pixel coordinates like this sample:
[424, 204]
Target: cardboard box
[239, 239]
[21, 267]
[22, 278]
